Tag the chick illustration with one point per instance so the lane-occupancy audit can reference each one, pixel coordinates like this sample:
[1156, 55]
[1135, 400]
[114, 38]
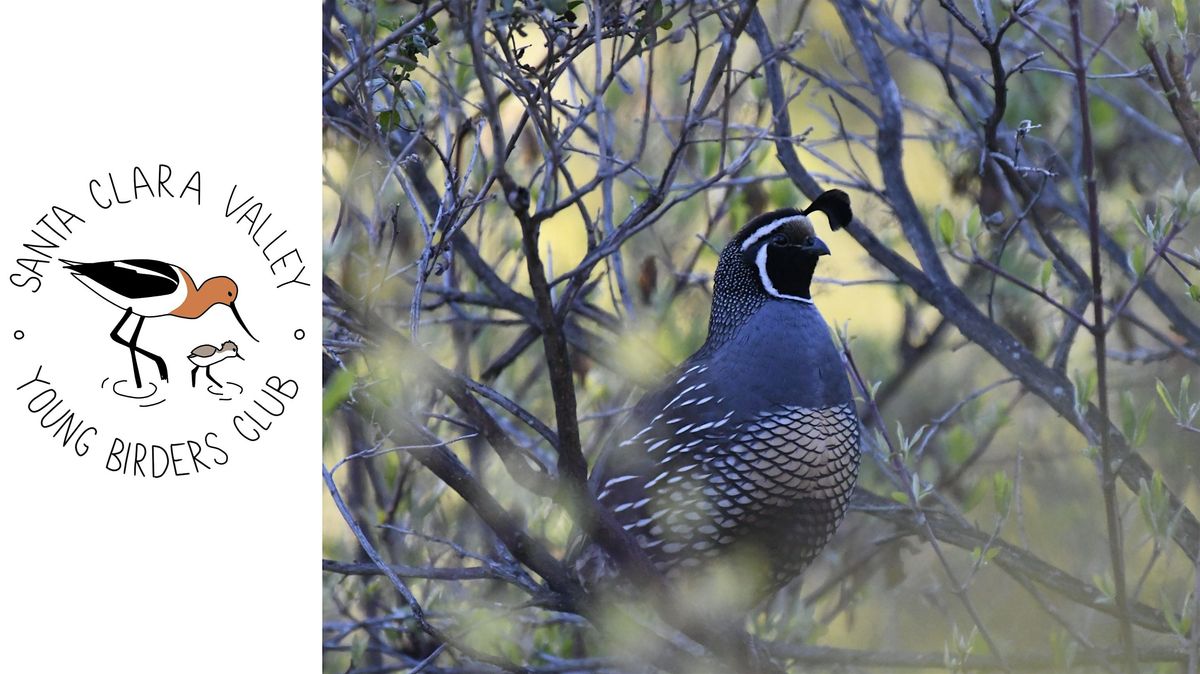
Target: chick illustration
[206, 355]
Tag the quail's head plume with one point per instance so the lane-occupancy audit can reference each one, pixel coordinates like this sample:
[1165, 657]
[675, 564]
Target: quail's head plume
[740, 465]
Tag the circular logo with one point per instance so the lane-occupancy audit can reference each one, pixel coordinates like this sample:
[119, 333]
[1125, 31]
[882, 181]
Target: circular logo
[158, 331]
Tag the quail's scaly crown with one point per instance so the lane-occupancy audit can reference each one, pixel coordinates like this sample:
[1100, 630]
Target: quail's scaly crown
[772, 257]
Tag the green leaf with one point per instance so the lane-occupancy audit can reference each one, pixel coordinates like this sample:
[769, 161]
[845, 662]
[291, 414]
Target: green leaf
[899, 497]
[1002, 492]
[1085, 385]
[1144, 504]
[1044, 276]
[337, 391]
[1165, 397]
[1155, 504]
[389, 120]
[1135, 214]
[971, 223]
[1193, 203]
[945, 224]
[958, 443]
[1172, 619]
[1181, 15]
[1194, 292]
[1147, 25]
[1143, 425]
[1137, 259]
[1104, 583]
[1179, 193]
[709, 156]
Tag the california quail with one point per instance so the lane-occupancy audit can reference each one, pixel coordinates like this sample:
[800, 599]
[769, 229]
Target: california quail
[747, 455]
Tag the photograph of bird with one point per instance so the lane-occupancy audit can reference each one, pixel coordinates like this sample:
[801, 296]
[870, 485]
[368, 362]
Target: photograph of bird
[150, 288]
[207, 355]
[750, 449]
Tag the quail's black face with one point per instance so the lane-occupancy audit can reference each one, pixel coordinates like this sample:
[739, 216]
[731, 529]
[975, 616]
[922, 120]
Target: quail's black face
[777, 252]
[780, 250]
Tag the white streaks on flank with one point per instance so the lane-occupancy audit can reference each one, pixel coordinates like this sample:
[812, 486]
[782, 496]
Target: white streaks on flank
[655, 481]
[619, 480]
[647, 428]
[681, 394]
[656, 445]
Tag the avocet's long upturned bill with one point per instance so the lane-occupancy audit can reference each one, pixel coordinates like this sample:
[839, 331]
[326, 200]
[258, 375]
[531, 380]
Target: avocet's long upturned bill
[149, 288]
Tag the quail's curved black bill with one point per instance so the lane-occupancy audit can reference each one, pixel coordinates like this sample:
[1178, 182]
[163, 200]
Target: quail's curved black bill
[241, 322]
[815, 247]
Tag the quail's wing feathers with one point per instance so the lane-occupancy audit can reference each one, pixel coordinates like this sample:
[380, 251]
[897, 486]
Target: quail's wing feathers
[698, 469]
[658, 458]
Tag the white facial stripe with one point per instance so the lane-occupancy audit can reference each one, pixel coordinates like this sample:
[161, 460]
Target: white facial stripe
[766, 230]
[761, 260]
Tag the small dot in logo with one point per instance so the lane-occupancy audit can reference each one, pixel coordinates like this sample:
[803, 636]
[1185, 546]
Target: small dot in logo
[19, 334]
[299, 334]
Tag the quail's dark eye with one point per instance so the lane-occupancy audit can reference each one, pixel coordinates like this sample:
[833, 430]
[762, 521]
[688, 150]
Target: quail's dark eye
[779, 240]
[230, 293]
